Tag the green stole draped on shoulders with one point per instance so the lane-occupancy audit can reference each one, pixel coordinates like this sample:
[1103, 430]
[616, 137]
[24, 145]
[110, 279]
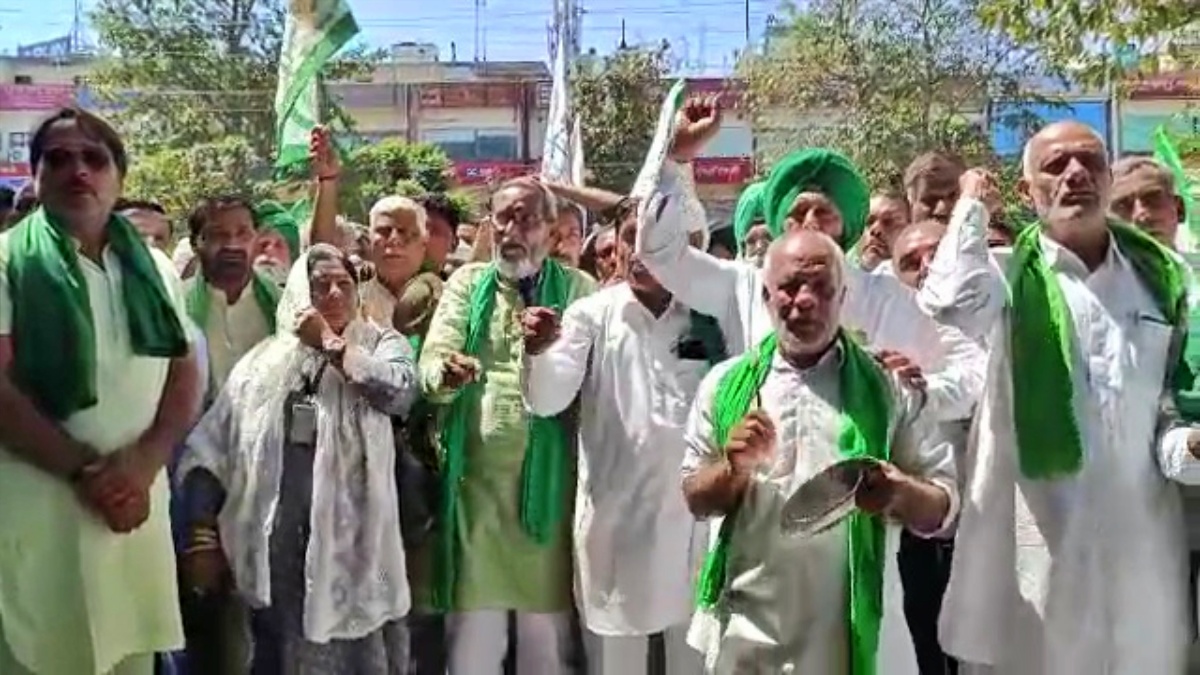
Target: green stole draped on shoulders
[266, 296]
[55, 336]
[1042, 345]
[544, 472]
[866, 410]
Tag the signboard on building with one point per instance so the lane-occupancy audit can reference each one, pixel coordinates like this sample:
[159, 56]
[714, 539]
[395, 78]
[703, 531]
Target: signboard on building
[730, 94]
[35, 96]
[723, 170]
[470, 95]
[1139, 120]
[49, 49]
[487, 172]
[1014, 124]
[1184, 84]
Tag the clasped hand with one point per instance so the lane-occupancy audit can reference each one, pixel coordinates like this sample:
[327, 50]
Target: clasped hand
[117, 488]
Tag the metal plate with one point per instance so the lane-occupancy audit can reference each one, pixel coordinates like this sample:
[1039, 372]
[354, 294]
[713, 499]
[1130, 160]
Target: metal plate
[824, 500]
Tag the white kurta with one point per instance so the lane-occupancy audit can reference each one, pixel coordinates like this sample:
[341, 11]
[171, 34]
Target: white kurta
[878, 307]
[785, 608]
[1086, 574]
[76, 598]
[636, 544]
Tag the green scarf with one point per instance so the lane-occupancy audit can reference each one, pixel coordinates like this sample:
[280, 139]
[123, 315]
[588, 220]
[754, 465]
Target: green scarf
[52, 313]
[866, 414]
[266, 296]
[544, 473]
[1049, 443]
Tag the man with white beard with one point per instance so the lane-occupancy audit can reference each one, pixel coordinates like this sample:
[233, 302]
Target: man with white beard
[635, 356]
[1070, 550]
[803, 399]
[503, 539]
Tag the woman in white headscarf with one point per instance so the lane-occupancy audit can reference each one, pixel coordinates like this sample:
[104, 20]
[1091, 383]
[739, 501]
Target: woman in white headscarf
[289, 478]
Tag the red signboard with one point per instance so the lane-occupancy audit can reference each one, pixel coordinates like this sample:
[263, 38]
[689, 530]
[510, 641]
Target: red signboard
[731, 93]
[1165, 86]
[14, 170]
[486, 172]
[35, 96]
[723, 170]
[470, 95]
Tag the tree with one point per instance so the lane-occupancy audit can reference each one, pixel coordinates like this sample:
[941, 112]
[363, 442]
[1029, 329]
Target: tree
[394, 166]
[191, 84]
[618, 100]
[1089, 39]
[178, 178]
[882, 82]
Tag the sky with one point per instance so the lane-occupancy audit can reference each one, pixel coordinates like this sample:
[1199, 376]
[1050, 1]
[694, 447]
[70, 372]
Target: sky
[703, 33]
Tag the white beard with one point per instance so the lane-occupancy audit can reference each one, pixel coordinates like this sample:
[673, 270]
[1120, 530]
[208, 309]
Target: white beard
[515, 269]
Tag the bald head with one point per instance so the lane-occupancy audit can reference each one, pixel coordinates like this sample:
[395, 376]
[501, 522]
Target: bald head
[1057, 133]
[1066, 180]
[805, 285]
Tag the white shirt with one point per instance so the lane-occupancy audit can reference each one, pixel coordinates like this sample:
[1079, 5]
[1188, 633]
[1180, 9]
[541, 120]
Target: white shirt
[785, 608]
[636, 544]
[878, 307]
[1084, 574]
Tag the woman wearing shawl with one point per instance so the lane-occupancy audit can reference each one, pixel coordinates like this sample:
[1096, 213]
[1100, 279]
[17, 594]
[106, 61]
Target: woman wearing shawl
[763, 423]
[97, 385]
[503, 542]
[289, 475]
[1070, 552]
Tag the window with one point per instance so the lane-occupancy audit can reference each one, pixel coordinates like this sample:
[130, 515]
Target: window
[23, 79]
[18, 147]
[474, 144]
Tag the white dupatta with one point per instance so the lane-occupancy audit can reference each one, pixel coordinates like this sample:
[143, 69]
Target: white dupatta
[354, 565]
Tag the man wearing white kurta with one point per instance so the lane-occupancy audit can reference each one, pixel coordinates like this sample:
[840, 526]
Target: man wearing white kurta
[1070, 555]
[782, 602]
[636, 356]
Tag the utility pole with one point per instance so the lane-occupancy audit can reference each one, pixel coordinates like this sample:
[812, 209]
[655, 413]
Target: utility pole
[747, 22]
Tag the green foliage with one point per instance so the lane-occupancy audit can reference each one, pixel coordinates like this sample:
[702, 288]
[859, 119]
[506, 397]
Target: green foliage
[618, 101]
[881, 81]
[1081, 37]
[394, 166]
[191, 85]
[178, 178]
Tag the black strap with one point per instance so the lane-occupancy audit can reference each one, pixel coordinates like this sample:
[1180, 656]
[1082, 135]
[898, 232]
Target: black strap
[311, 383]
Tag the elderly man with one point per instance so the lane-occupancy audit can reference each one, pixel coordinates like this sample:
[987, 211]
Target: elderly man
[1070, 551]
[98, 384]
[504, 539]
[635, 356]
[404, 291]
[1144, 195]
[820, 190]
[803, 399]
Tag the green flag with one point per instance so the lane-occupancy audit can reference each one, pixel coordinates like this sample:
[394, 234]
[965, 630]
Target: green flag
[314, 31]
[1165, 153]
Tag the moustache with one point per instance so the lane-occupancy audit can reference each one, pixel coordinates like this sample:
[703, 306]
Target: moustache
[226, 259]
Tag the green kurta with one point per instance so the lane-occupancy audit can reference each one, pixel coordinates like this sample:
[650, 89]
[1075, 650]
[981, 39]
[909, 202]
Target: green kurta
[500, 567]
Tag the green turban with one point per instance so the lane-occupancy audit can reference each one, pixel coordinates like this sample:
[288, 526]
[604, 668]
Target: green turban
[824, 171]
[271, 215]
[749, 211]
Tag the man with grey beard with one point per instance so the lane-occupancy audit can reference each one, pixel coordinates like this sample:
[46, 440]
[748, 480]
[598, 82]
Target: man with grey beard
[494, 554]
